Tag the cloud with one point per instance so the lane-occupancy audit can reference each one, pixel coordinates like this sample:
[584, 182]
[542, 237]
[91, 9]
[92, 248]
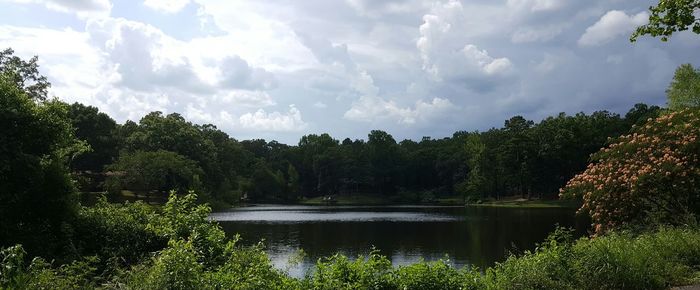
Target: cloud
[536, 5]
[371, 109]
[82, 8]
[167, 6]
[138, 54]
[273, 121]
[237, 73]
[536, 34]
[347, 65]
[247, 98]
[612, 25]
[445, 58]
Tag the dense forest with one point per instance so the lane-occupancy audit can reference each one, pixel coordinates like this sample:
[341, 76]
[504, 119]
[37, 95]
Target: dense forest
[163, 152]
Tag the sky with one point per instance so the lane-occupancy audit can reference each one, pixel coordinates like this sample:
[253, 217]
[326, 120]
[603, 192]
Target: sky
[280, 69]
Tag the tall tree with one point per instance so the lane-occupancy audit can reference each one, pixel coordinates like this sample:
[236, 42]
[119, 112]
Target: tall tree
[36, 193]
[99, 131]
[684, 90]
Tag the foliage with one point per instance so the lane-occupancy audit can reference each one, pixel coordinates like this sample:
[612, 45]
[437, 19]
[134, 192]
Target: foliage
[645, 178]
[340, 272]
[668, 17]
[147, 171]
[98, 130]
[24, 75]
[121, 233]
[684, 91]
[36, 192]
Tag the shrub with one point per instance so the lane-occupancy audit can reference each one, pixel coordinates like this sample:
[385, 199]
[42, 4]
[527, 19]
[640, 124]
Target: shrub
[646, 178]
[340, 272]
[434, 276]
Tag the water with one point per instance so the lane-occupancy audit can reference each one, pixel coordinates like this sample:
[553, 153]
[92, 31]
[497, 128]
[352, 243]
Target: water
[472, 236]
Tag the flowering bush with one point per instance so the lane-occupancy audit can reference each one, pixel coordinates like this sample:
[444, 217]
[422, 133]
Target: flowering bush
[648, 177]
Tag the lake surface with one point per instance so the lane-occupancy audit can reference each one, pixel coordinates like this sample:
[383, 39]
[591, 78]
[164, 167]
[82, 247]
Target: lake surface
[478, 236]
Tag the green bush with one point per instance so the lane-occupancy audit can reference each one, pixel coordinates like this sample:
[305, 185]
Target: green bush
[340, 272]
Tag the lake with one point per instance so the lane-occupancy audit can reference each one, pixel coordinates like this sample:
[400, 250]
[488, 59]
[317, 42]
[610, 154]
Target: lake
[478, 236]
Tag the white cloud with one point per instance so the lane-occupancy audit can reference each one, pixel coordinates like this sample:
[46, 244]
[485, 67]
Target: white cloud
[247, 98]
[320, 105]
[82, 8]
[612, 25]
[273, 121]
[437, 45]
[167, 6]
[371, 109]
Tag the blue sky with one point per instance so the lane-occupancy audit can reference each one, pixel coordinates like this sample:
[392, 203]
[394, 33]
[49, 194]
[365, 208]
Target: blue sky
[280, 69]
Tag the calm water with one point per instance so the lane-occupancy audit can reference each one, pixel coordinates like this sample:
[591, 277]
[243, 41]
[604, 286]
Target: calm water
[468, 236]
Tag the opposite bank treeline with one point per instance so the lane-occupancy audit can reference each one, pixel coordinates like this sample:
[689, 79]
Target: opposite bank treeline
[163, 152]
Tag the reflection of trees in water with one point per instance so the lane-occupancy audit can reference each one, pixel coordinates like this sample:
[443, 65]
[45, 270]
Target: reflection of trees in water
[481, 237]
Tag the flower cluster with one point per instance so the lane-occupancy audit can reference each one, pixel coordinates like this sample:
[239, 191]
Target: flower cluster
[648, 176]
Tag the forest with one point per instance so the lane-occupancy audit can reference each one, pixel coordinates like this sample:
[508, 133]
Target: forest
[164, 152]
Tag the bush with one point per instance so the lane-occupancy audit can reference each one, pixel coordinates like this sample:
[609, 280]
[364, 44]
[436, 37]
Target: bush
[648, 178]
[339, 272]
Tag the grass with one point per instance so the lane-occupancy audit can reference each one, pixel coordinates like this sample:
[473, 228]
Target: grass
[523, 203]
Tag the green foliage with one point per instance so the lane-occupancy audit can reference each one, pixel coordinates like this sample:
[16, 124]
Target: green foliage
[434, 276]
[684, 90]
[620, 261]
[36, 192]
[24, 75]
[121, 233]
[340, 272]
[176, 267]
[98, 130]
[153, 171]
[668, 17]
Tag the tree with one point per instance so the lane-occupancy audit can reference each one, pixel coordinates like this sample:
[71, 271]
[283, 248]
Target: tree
[668, 17]
[684, 90]
[383, 157]
[160, 171]
[24, 74]
[36, 193]
[98, 130]
[518, 151]
[473, 186]
[645, 178]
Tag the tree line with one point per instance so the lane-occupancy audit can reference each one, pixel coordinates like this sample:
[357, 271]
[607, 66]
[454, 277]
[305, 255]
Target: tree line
[163, 152]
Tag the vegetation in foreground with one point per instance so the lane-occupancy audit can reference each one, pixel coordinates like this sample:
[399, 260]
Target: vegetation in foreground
[137, 246]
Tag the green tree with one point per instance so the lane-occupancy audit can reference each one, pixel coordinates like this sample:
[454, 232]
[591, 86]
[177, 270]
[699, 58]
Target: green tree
[292, 183]
[24, 74]
[153, 171]
[384, 158]
[98, 130]
[668, 17]
[684, 90]
[473, 186]
[36, 193]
